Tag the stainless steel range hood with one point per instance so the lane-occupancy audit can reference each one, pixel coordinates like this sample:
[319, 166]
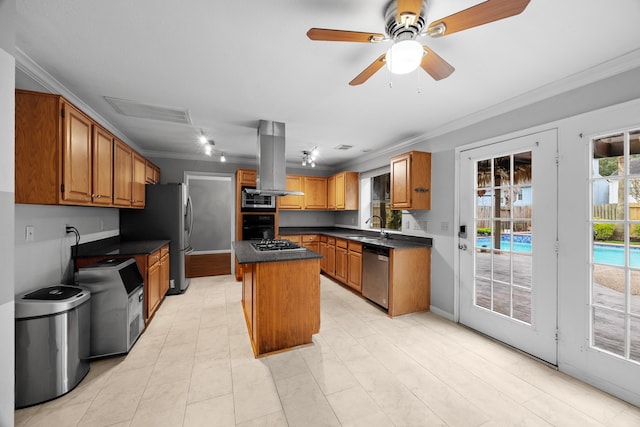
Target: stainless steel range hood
[272, 171]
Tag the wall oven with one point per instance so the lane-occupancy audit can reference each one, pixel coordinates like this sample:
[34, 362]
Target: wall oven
[257, 202]
[258, 227]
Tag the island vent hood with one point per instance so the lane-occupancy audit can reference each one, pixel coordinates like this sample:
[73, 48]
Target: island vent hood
[272, 172]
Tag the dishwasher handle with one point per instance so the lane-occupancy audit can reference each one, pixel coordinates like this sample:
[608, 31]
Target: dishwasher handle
[378, 250]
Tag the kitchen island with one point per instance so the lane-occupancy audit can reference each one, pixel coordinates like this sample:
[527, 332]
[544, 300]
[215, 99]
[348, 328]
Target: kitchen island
[280, 297]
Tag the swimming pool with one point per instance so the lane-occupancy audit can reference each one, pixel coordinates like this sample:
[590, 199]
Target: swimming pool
[602, 254]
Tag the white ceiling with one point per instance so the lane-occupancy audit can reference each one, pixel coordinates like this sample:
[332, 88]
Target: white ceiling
[232, 63]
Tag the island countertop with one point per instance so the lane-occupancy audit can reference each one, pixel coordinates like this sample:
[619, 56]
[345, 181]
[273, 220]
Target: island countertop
[246, 254]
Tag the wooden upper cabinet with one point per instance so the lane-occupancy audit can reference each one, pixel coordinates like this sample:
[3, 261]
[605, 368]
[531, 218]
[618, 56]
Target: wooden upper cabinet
[347, 191]
[152, 173]
[247, 177]
[137, 184]
[76, 161]
[293, 183]
[331, 192]
[411, 181]
[122, 173]
[62, 156]
[102, 167]
[315, 192]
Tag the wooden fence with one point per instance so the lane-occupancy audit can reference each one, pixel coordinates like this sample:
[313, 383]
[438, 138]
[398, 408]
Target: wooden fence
[519, 213]
[608, 211]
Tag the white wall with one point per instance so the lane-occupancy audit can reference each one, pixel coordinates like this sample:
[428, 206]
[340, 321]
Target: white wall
[47, 259]
[7, 113]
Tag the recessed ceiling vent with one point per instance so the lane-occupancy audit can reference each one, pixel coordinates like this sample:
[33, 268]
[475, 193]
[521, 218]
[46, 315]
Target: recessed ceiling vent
[343, 147]
[152, 112]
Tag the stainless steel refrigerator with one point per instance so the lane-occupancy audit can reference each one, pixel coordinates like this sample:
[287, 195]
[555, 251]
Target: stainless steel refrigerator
[167, 214]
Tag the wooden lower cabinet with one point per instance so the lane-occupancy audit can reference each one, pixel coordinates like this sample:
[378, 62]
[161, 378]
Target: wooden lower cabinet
[282, 310]
[354, 263]
[331, 256]
[409, 280]
[341, 260]
[155, 272]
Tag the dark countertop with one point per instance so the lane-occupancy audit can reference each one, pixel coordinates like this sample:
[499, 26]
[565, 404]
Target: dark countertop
[246, 254]
[395, 241]
[116, 246]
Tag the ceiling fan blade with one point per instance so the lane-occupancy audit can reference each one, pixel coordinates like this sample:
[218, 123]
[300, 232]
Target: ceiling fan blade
[324, 34]
[435, 66]
[369, 71]
[408, 11]
[480, 14]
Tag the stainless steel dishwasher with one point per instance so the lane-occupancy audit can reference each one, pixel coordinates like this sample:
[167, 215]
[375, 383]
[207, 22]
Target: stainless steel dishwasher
[375, 274]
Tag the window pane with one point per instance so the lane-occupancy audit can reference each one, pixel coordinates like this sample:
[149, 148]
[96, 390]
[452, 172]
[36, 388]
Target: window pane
[522, 269]
[502, 171]
[635, 339]
[608, 286]
[634, 285]
[607, 232]
[608, 156]
[608, 330]
[502, 298]
[502, 266]
[522, 304]
[483, 293]
[483, 175]
[381, 211]
[522, 168]
[483, 263]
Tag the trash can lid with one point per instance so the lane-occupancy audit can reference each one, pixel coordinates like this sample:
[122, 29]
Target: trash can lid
[49, 301]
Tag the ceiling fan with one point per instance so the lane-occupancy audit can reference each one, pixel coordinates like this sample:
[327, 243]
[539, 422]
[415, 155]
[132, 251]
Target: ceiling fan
[405, 22]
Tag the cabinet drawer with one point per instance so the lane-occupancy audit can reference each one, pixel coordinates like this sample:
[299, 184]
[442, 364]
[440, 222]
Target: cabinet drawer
[164, 250]
[308, 238]
[355, 246]
[323, 239]
[154, 257]
[341, 243]
[331, 241]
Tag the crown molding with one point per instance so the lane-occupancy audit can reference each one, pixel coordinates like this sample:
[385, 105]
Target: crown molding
[38, 74]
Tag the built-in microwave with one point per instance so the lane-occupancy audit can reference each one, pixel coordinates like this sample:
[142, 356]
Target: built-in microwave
[257, 202]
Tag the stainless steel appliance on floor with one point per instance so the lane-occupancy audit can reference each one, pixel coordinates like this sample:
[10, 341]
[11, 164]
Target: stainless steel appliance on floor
[52, 342]
[117, 301]
[167, 214]
[375, 274]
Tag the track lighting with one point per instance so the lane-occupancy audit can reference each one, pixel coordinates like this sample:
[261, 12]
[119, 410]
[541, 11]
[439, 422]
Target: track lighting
[223, 158]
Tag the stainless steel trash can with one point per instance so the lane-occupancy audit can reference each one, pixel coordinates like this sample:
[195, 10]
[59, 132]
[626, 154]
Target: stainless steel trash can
[52, 342]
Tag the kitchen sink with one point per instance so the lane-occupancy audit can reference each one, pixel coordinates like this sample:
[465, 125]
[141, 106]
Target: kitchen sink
[368, 239]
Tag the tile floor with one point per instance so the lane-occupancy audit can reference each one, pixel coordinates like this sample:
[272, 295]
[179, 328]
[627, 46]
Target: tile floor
[194, 367]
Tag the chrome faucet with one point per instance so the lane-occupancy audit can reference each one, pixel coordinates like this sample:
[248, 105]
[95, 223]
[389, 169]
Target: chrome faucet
[383, 234]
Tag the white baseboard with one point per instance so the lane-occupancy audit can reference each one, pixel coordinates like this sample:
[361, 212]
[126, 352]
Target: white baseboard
[441, 313]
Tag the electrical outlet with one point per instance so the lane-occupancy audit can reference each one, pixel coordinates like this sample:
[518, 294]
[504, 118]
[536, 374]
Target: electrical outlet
[444, 226]
[422, 225]
[29, 233]
[407, 225]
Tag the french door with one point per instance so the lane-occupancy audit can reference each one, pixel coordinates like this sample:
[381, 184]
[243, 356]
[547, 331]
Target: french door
[507, 242]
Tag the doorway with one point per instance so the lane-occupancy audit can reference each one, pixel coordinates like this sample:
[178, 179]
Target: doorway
[507, 198]
[212, 201]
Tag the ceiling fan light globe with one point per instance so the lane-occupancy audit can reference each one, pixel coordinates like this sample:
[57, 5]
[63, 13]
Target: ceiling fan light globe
[404, 56]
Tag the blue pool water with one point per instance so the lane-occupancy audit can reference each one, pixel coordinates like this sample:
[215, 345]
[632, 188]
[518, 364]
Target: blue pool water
[602, 254]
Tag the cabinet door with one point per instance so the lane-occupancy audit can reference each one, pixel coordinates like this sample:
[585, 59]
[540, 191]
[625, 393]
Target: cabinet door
[323, 252]
[149, 175]
[340, 190]
[331, 259]
[341, 264]
[401, 182]
[315, 192]
[331, 192]
[164, 275]
[102, 167]
[247, 177]
[122, 174]
[354, 278]
[138, 181]
[77, 156]
[156, 174]
[153, 288]
[293, 183]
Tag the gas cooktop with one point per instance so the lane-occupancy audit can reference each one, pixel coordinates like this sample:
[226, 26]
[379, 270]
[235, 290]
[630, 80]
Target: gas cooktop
[276, 245]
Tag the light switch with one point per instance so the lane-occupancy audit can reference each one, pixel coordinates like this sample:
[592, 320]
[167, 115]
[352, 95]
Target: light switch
[29, 233]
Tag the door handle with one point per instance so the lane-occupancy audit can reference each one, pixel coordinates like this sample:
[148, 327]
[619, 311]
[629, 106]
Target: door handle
[462, 246]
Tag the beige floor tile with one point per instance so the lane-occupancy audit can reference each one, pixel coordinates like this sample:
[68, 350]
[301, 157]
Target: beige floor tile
[276, 419]
[303, 402]
[217, 411]
[194, 364]
[354, 406]
[59, 416]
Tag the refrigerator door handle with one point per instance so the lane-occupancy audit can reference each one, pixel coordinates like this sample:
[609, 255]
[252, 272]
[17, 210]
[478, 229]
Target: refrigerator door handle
[190, 211]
